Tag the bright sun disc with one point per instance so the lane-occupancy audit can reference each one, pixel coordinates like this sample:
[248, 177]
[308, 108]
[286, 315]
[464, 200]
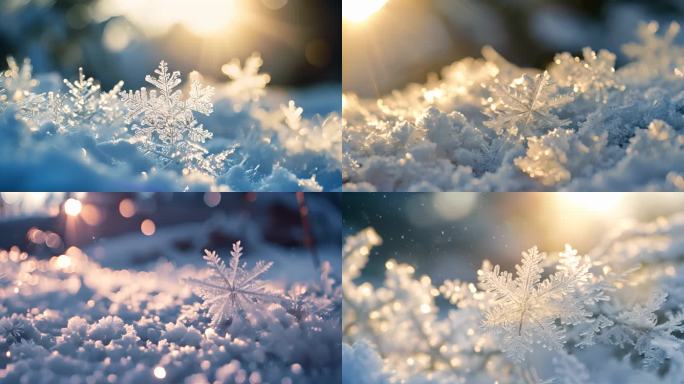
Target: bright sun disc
[359, 10]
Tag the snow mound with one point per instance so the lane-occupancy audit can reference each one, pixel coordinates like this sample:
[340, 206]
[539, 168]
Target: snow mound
[487, 125]
[233, 136]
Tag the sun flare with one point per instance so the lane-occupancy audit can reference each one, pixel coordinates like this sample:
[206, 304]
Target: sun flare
[357, 11]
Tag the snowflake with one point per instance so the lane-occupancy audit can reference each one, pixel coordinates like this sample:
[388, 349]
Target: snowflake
[656, 52]
[168, 131]
[18, 80]
[36, 109]
[526, 309]
[247, 84]
[653, 340]
[524, 106]
[233, 291]
[86, 106]
[594, 77]
[314, 299]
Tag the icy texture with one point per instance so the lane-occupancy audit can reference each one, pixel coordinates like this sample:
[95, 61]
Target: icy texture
[612, 316]
[487, 125]
[78, 321]
[79, 137]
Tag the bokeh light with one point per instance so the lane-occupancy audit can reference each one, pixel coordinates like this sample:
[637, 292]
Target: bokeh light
[148, 227]
[91, 215]
[127, 208]
[212, 199]
[72, 207]
[159, 372]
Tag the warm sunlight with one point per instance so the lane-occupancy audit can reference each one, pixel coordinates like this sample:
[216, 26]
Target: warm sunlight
[357, 11]
[595, 202]
[203, 17]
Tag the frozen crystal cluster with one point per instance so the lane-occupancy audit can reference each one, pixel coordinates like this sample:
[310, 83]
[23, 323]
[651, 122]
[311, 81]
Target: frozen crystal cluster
[231, 136]
[611, 316]
[487, 125]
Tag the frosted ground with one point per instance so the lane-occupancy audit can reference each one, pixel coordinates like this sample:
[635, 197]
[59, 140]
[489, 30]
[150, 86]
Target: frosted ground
[182, 134]
[614, 315]
[122, 310]
[488, 125]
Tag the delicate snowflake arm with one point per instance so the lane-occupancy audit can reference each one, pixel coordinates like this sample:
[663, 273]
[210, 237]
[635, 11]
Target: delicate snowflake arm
[235, 254]
[200, 98]
[260, 268]
[211, 257]
[137, 102]
[165, 81]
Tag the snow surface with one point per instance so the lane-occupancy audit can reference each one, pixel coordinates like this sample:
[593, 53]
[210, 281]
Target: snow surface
[119, 311]
[51, 140]
[487, 125]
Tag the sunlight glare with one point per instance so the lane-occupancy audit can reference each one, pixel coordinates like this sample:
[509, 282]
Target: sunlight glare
[357, 11]
[203, 17]
[600, 202]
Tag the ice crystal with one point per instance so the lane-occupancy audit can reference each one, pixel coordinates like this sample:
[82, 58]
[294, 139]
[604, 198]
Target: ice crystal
[524, 107]
[234, 291]
[247, 85]
[18, 79]
[86, 106]
[168, 130]
[526, 307]
[292, 115]
[593, 76]
[657, 52]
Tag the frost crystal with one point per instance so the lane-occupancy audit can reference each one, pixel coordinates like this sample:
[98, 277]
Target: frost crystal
[293, 115]
[655, 51]
[18, 80]
[526, 307]
[234, 291]
[168, 131]
[85, 106]
[247, 84]
[594, 77]
[524, 106]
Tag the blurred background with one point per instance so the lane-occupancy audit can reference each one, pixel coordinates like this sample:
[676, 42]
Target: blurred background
[389, 43]
[448, 235]
[138, 229]
[299, 40]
